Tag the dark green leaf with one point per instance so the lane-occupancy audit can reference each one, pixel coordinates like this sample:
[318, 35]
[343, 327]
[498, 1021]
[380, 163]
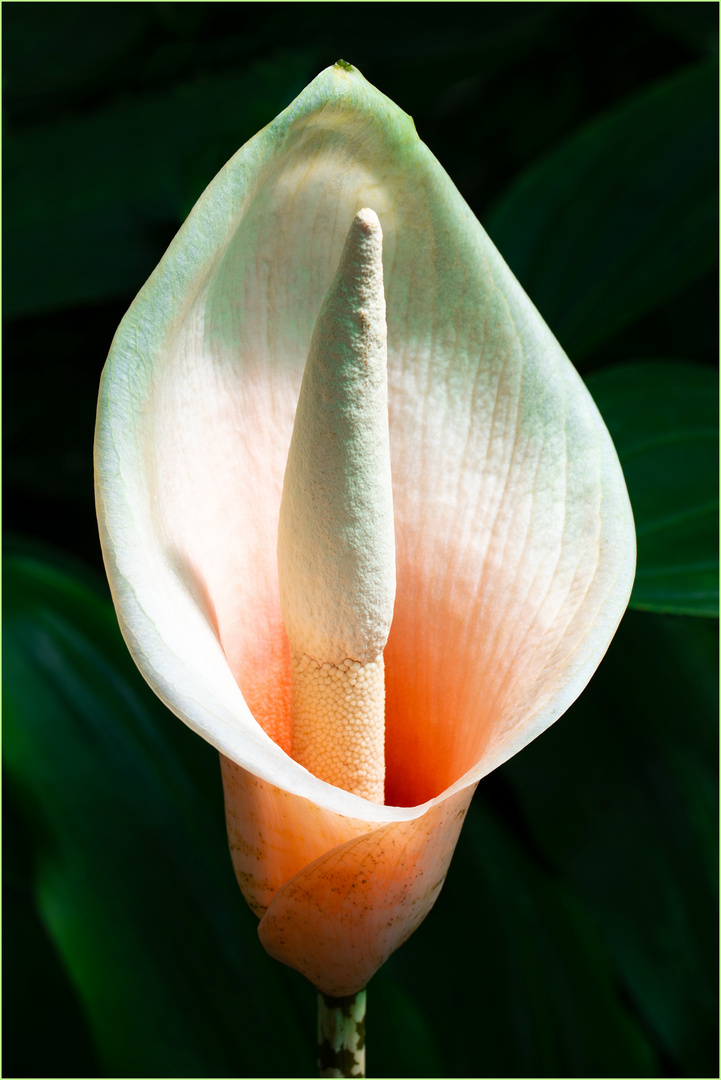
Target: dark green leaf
[75, 51]
[132, 874]
[96, 198]
[520, 983]
[621, 797]
[695, 26]
[663, 417]
[620, 217]
[36, 979]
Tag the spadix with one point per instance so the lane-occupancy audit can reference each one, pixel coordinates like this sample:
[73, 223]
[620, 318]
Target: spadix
[336, 549]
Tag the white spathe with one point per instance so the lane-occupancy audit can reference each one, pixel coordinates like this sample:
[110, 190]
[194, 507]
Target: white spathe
[515, 548]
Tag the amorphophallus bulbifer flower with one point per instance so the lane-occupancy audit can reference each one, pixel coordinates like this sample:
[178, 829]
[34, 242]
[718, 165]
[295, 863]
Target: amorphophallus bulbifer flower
[514, 541]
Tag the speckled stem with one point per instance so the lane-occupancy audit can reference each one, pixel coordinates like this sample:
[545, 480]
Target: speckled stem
[342, 1035]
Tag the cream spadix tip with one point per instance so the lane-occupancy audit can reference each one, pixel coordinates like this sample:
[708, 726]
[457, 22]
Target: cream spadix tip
[336, 551]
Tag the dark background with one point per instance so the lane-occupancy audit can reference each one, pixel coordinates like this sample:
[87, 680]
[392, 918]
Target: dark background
[578, 926]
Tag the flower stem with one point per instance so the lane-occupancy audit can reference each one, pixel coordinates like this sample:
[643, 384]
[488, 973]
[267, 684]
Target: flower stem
[342, 1035]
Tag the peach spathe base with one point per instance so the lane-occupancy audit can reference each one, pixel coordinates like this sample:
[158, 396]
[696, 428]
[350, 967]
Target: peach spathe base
[336, 895]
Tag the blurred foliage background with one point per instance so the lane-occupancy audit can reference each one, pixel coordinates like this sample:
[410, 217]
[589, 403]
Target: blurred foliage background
[577, 932]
